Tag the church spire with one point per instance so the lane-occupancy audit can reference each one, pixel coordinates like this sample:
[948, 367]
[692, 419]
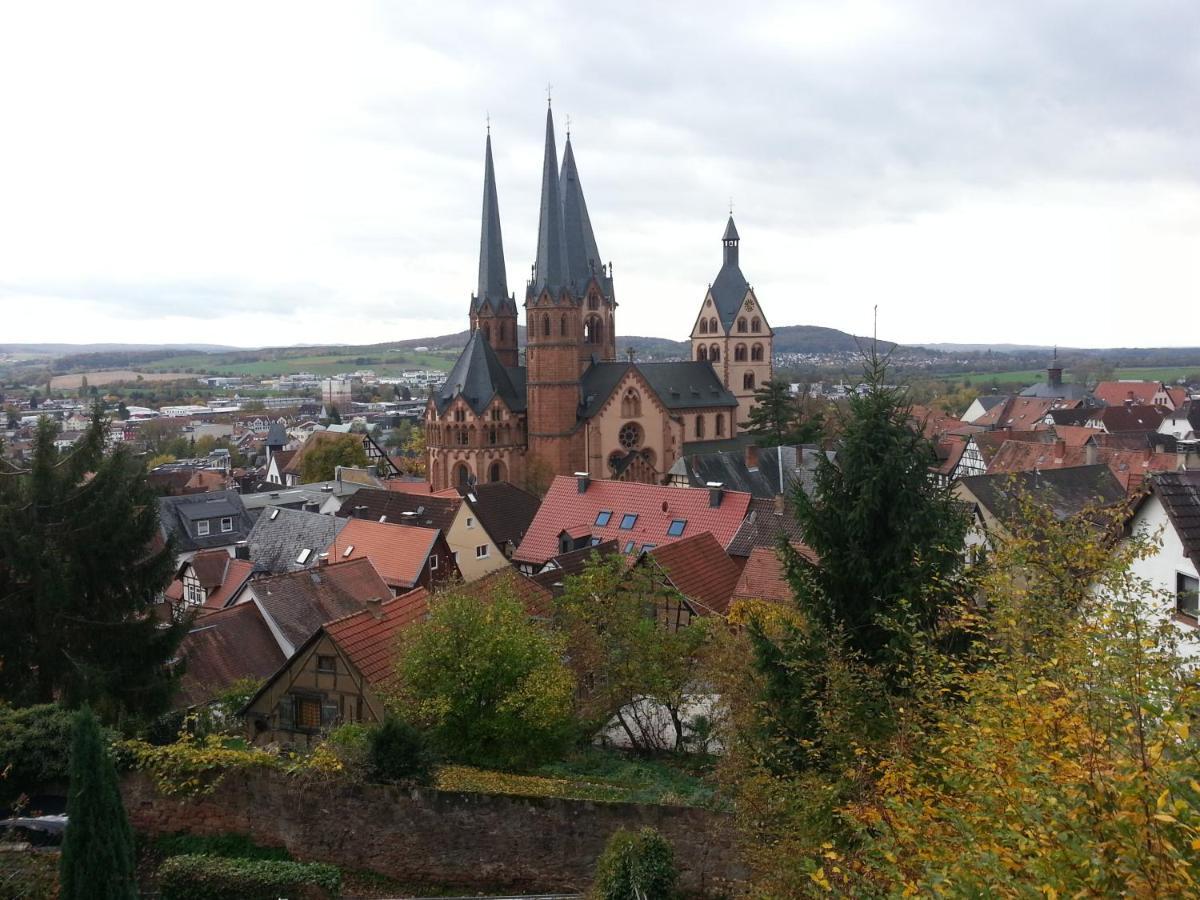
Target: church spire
[583, 257]
[729, 240]
[493, 283]
[550, 269]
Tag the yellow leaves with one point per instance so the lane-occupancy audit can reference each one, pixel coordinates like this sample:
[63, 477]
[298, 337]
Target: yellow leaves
[1049, 892]
[820, 879]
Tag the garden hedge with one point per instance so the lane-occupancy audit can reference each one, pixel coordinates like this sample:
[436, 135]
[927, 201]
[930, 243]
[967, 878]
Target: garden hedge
[218, 878]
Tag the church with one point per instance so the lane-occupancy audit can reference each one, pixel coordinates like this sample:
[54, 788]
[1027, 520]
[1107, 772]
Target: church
[570, 405]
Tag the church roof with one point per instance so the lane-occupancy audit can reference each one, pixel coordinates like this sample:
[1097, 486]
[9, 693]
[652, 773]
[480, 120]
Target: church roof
[479, 376]
[493, 282]
[551, 271]
[277, 435]
[730, 286]
[679, 385]
[583, 256]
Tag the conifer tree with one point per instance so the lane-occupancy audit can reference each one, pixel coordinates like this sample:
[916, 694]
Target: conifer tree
[778, 418]
[97, 854]
[81, 563]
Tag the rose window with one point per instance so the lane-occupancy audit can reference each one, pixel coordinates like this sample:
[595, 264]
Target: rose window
[630, 436]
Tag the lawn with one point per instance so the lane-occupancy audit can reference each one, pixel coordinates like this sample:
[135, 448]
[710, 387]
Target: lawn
[382, 362]
[1029, 376]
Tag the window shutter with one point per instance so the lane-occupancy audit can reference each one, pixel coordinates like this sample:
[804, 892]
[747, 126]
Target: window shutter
[329, 715]
[287, 713]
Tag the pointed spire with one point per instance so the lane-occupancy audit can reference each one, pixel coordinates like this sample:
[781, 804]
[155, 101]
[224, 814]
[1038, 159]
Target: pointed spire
[550, 270]
[730, 242]
[493, 282]
[583, 257]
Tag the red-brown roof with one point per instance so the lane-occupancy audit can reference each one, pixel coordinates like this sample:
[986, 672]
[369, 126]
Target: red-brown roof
[537, 600]
[1022, 413]
[220, 574]
[1129, 466]
[654, 506]
[408, 486]
[368, 638]
[1074, 435]
[398, 552]
[1118, 393]
[700, 570]
[763, 578]
[223, 647]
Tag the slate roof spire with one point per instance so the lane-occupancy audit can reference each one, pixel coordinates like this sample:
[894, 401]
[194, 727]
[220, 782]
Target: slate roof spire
[729, 288]
[493, 282]
[479, 375]
[550, 269]
[730, 241]
[583, 256]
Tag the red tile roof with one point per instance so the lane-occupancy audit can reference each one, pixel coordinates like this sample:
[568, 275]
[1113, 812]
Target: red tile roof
[1021, 413]
[1074, 435]
[537, 599]
[700, 570]
[408, 486]
[398, 552]
[223, 647]
[368, 638]
[1129, 466]
[763, 578]
[1116, 393]
[655, 506]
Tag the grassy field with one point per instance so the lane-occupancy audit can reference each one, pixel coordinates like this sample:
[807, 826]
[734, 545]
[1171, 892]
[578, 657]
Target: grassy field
[386, 363]
[1029, 376]
[112, 376]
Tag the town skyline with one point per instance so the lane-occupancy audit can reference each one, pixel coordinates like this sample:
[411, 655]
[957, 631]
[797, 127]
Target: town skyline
[1009, 160]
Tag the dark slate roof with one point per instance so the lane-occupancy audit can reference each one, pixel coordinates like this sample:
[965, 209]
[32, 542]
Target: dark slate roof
[551, 271]
[280, 534]
[479, 376]
[493, 281]
[427, 511]
[763, 526]
[679, 385]
[178, 516]
[554, 574]
[987, 401]
[730, 468]
[277, 435]
[1066, 491]
[1064, 391]
[583, 256]
[730, 286]
[504, 510]
[1072, 416]
[1180, 495]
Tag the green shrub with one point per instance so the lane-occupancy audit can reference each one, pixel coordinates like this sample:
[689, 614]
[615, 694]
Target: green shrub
[399, 752]
[231, 846]
[34, 748]
[218, 878]
[635, 864]
[351, 744]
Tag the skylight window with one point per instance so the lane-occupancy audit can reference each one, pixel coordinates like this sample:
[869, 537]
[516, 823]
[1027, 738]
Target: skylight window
[348, 551]
[603, 517]
[675, 529]
[304, 555]
[646, 547]
[274, 513]
[628, 521]
[628, 548]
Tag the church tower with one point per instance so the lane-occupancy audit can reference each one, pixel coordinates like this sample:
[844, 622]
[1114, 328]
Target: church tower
[493, 309]
[732, 332]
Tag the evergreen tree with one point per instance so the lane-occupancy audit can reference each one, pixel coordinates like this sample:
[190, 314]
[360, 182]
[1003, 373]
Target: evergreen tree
[97, 860]
[81, 563]
[779, 418]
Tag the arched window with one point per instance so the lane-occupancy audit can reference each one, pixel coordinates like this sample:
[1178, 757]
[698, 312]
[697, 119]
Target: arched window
[546, 326]
[714, 353]
[712, 326]
[702, 353]
[741, 325]
[630, 436]
[562, 326]
[593, 331]
[496, 472]
[631, 404]
[699, 427]
[739, 353]
[704, 326]
[756, 353]
[756, 325]
[501, 335]
[719, 430]
[487, 332]
[593, 301]
[748, 381]
[462, 475]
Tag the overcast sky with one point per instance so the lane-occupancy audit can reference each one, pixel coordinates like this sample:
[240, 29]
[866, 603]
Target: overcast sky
[256, 173]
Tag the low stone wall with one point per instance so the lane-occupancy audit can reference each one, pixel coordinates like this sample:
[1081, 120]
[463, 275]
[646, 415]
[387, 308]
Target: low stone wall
[425, 836]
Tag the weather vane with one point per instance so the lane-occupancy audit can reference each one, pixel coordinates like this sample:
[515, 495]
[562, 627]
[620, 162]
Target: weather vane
[731, 204]
[489, 123]
[548, 86]
[568, 125]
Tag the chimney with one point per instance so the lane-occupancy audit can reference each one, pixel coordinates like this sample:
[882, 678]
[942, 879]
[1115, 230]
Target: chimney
[322, 560]
[752, 457]
[779, 504]
[715, 490]
[375, 607]
[360, 512]
[581, 481]
[1060, 449]
[241, 550]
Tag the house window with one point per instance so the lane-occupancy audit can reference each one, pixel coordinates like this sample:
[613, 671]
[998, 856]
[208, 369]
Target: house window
[704, 326]
[739, 353]
[755, 325]
[699, 426]
[202, 528]
[741, 326]
[748, 381]
[308, 713]
[756, 353]
[648, 547]
[433, 562]
[227, 524]
[470, 522]
[675, 529]
[720, 429]
[481, 552]
[603, 517]
[1187, 594]
[628, 521]
[327, 664]
[628, 548]
[714, 353]
[702, 353]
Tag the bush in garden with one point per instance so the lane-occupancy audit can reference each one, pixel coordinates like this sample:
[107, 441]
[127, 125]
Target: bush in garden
[634, 865]
[399, 752]
[219, 878]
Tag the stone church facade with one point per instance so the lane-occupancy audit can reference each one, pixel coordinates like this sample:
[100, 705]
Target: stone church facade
[573, 406]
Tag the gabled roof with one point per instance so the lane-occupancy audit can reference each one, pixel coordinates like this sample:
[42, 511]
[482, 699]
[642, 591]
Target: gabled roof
[223, 647]
[280, 535]
[567, 565]
[763, 578]
[1131, 418]
[765, 525]
[700, 570]
[492, 289]
[678, 385]
[1022, 413]
[731, 468]
[391, 506]
[220, 574]
[478, 375]
[1066, 491]
[179, 515]
[1117, 393]
[277, 435]
[398, 552]
[534, 596]
[298, 603]
[368, 638]
[1180, 496]
[654, 507]
[504, 510]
